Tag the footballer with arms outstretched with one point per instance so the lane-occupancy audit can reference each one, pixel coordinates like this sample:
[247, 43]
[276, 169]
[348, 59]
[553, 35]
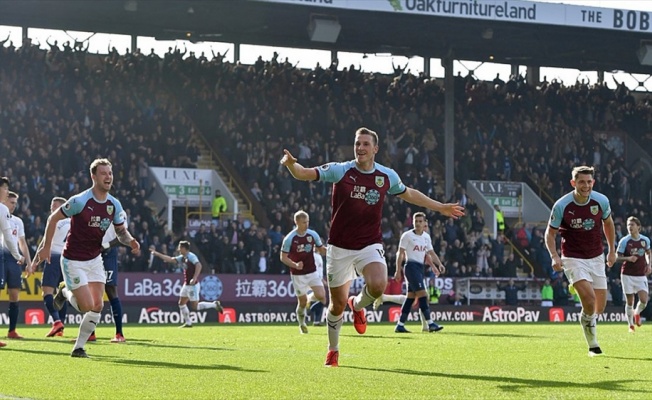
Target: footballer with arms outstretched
[191, 286]
[355, 240]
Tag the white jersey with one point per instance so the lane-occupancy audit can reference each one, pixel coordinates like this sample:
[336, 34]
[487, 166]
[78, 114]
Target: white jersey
[110, 234]
[17, 228]
[7, 230]
[60, 234]
[416, 246]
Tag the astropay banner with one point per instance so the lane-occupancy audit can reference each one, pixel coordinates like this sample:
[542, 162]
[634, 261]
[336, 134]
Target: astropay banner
[155, 312]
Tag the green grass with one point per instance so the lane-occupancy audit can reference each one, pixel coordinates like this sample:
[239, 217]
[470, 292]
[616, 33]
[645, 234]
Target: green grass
[469, 361]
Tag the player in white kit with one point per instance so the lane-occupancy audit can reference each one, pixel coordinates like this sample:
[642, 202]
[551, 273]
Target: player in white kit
[6, 235]
[13, 269]
[415, 245]
[52, 275]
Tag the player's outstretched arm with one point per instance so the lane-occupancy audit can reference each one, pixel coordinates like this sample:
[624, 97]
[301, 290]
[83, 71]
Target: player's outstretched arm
[163, 257]
[414, 196]
[297, 170]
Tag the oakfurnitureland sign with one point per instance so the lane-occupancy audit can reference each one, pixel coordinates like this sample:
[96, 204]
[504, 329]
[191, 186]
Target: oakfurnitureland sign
[499, 10]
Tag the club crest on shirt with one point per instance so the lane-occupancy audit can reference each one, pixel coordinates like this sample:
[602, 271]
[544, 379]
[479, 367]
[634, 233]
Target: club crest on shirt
[594, 210]
[309, 239]
[380, 181]
[109, 209]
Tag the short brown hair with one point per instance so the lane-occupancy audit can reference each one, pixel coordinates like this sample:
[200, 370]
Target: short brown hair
[367, 131]
[419, 214]
[635, 220]
[13, 195]
[582, 169]
[97, 162]
[185, 244]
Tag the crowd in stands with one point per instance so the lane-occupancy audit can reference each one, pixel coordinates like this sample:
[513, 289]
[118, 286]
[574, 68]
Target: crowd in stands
[62, 108]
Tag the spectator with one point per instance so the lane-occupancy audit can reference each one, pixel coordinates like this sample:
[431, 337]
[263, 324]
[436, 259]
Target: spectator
[547, 294]
[511, 292]
[508, 269]
[218, 206]
[240, 258]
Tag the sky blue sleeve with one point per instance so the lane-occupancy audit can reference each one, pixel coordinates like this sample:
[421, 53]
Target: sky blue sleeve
[332, 172]
[118, 213]
[647, 240]
[316, 237]
[557, 214]
[179, 258]
[396, 186]
[622, 245]
[287, 242]
[604, 204]
[192, 257]
[74, 205]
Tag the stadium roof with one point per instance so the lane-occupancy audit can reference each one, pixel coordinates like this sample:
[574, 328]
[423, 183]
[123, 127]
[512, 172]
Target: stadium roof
[263, 23]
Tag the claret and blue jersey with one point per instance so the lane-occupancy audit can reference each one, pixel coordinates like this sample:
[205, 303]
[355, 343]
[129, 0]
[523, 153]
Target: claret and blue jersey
[628, 246]
[357, 202]
[301, 248]
[189, 264]
[89, 220]
[580, 225]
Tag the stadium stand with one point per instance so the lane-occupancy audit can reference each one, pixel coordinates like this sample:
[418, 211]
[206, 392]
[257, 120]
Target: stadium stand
[141, 110]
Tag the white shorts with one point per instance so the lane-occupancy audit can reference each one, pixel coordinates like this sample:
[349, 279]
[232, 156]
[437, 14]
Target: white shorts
[79, 273]
[190, 291]
[591, 270]
[303, 283]
[634, 284]
[344, 265]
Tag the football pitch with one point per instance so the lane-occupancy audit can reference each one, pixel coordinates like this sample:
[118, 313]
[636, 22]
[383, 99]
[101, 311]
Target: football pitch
[466, 361]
